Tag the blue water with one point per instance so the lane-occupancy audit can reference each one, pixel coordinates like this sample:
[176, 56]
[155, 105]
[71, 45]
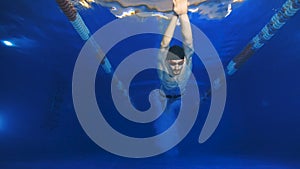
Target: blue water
[38, 123]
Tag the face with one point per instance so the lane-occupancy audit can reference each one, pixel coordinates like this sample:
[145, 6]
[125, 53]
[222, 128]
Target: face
[176, 66]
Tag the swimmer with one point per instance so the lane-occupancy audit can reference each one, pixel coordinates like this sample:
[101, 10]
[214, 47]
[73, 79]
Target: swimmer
[176, 61]
[174, 70]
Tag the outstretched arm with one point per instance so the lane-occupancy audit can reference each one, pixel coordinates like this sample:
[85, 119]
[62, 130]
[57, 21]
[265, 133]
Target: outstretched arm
[169, 32]
[187, 35]
[164, 47]
[186, 29]
[180, 8]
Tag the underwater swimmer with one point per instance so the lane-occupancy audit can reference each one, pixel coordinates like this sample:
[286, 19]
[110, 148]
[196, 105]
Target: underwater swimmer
[175, 62]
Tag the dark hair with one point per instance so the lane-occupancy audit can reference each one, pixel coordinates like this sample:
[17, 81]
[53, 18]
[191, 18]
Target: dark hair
[175, 53]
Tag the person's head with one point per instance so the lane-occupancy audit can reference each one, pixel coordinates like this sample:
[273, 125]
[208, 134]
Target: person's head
[175, 59]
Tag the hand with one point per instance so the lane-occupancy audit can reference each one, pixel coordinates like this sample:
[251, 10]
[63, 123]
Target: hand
[180, 6]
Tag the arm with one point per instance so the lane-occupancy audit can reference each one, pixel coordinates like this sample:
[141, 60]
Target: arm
[181, 8]
[186, 30]
[164, 47]
[187, 35]
[169, 32]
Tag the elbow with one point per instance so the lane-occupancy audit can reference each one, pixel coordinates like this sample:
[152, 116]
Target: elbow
[164, 44]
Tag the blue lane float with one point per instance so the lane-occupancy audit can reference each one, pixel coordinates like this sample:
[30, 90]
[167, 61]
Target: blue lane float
[289, 9]
[71, 13]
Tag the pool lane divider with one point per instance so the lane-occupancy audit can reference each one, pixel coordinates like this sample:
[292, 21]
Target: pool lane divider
[73, 16]
[289, 9]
